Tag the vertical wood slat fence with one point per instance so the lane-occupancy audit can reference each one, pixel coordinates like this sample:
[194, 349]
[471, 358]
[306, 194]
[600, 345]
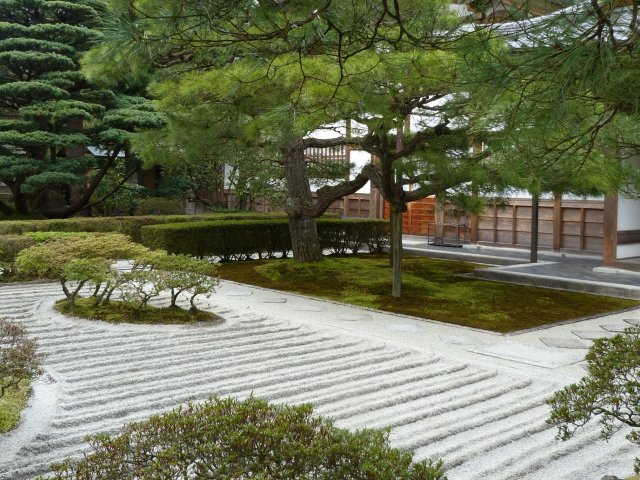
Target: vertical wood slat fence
[573, 225]
[356, 205]
[417, 216]
[570, 225]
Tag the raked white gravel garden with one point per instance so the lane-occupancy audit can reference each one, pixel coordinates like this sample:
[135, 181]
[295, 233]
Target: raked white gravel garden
[475, 399]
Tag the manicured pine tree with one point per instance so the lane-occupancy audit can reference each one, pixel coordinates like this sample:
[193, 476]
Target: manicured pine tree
[276, 72]
[50, 112]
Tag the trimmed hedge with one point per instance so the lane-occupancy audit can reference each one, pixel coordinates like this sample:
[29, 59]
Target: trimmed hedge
[10, 247]
[129, 226]
[239, 239]
[343, 236]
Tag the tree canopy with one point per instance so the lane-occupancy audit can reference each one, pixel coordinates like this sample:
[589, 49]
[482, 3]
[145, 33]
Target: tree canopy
[269, 75]
[50, 112]
[566, 90]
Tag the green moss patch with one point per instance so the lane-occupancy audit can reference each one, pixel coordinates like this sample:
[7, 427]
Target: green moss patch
[431, 289]
[121, 312]
[11, 404]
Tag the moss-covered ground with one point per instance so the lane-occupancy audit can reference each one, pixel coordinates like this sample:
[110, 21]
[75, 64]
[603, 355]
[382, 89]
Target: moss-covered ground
[121, 312]
[432, 289]
[11, 404]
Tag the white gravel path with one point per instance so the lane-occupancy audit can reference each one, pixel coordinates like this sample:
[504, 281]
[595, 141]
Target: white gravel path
[484, 416]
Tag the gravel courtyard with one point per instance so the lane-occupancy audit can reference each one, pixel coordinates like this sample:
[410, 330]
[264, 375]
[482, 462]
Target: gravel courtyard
[474, 399]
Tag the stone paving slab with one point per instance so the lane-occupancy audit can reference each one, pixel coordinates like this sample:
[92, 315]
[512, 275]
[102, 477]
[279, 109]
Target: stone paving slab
[354, 317]
[310, 308]
[274, 300]
[529, 354]
[615, 327]
[237, 293]
[572, 343]
[404, 327]
[460, 340]
[593, 334]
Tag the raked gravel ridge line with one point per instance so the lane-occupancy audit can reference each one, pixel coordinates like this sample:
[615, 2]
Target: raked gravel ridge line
[484, 422]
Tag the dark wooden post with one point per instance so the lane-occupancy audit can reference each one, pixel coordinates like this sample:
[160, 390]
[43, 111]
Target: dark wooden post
[535, 204]
[610, 233]
[475, 221]
[557, 222]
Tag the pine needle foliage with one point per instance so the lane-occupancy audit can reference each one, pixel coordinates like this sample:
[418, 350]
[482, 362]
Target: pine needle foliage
[51, 113]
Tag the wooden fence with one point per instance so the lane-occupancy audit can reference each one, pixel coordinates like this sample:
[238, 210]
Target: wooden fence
[354, 206]
[571, 225]
[417, 216]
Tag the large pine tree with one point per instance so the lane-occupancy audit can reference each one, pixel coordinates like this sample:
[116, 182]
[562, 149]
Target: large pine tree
[49, 112]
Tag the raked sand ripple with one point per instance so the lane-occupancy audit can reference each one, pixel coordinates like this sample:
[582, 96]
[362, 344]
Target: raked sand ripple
[484, 423]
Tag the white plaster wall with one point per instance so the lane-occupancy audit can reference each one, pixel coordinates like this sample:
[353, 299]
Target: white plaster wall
[628, 250]
[628, 214]
[359, 158]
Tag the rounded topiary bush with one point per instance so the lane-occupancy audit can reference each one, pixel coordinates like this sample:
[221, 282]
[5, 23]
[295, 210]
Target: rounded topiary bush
[230, 439]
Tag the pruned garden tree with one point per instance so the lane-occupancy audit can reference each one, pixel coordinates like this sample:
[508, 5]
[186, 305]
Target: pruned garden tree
[183, 148]
[273, 73]
[79, 260]
[76, 259]
[50, 112]
[416, 128]
[524, 158]
[609, 393]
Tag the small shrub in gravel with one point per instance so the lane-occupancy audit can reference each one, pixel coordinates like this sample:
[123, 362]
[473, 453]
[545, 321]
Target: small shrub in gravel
[19, 361]
[610, 391]
[229, 439]
[77, 261]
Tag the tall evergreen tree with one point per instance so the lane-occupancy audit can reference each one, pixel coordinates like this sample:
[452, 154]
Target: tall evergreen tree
[50, 112]
[277, 71]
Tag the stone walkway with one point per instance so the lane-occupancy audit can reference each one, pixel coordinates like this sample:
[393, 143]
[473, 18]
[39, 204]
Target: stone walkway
[555, 270]
[474, 398]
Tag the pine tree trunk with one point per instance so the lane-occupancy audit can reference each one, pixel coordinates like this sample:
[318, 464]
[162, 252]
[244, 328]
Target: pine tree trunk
[5, 209]
[82, 200]
[21, 203]
[396, 209]
[299, 205]
[535, 201]
[396, 250]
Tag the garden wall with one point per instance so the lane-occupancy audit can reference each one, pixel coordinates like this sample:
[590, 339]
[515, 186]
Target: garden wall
[570, 225]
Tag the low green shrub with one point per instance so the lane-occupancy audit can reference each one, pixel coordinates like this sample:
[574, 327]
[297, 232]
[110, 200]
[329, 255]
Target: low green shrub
[344, 236]
[12, 245]
[233, 239]
[129, 226]
[240, 239]
[41, 237]
[229, 439]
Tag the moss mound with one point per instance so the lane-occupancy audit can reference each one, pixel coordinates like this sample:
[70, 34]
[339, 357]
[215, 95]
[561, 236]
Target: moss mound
[432, 289]
[122, 312]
